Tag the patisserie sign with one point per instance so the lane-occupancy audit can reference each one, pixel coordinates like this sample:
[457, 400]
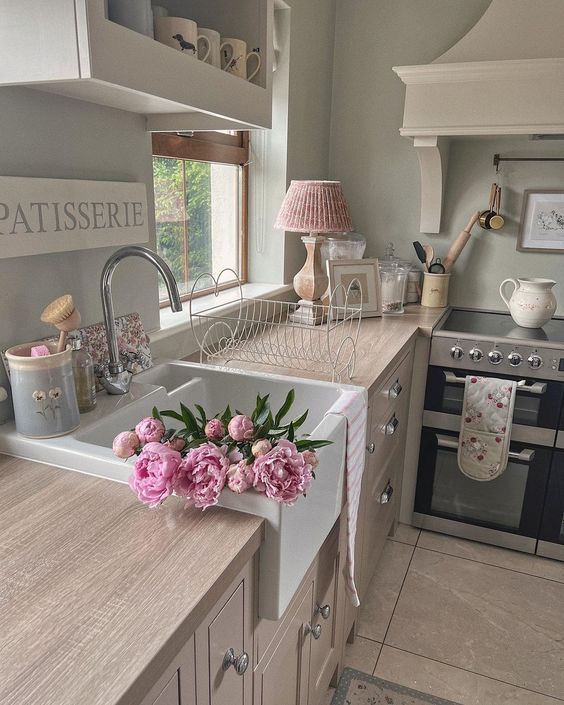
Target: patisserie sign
[39, 216]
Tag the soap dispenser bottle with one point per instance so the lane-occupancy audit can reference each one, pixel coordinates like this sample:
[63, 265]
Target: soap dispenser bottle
[84, 378]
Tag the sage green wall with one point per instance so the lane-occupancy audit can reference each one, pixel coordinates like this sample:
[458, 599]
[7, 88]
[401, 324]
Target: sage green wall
[379, 169]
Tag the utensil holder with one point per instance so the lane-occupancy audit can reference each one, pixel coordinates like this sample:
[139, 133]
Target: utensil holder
[43, 391]
[435, 290]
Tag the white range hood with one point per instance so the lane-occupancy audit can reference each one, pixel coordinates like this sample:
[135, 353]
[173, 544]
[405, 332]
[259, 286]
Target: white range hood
[505, 77]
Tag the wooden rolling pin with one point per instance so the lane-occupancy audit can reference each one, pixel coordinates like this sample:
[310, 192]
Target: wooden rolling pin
[460, 243]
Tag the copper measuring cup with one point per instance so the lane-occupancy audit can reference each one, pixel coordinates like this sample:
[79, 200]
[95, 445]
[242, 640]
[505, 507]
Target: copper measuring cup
[491, 219]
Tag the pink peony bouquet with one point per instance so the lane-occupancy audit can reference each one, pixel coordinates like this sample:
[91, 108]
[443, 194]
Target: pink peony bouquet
[230, 451]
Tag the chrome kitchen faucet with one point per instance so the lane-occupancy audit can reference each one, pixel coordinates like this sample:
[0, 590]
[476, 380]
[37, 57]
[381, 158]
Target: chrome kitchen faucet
[114, 377]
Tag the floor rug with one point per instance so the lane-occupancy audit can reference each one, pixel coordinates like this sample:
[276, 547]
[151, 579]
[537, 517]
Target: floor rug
[357, 688]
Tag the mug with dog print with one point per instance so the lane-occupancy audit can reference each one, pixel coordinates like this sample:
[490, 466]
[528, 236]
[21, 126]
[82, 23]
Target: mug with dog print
[181, 34]
[234, 58]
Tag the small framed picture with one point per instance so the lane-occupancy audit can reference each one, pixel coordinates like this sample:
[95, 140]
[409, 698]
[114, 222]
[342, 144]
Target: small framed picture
[361, 279]
[542, 222]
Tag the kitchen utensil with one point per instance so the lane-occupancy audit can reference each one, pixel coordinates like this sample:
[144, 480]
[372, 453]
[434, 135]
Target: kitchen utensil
[460, 243]
[64, 316]
[420, 252]
[532, 303]
[429, 255]
[437, 267]
[491, 219]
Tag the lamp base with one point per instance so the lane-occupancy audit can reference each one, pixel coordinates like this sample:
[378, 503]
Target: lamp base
[309, 313]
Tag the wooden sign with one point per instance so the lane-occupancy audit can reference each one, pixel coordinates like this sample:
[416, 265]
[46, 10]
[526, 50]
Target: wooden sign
[38, 216]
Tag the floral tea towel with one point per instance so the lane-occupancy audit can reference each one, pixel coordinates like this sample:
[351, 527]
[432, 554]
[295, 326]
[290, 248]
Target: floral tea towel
[487, 416]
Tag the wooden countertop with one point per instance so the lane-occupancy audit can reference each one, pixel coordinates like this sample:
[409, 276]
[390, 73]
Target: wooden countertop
[98, 593]
[380, 343]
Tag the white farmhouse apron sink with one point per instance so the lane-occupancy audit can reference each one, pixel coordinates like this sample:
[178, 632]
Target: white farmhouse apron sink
[295, 534]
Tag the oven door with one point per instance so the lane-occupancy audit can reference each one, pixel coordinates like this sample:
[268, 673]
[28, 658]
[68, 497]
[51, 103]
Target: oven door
[551, 539]
[537, 403]
[506, 511]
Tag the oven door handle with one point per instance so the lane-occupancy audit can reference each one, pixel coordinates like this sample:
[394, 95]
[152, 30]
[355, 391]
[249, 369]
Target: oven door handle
[527, 455]
[522, 386]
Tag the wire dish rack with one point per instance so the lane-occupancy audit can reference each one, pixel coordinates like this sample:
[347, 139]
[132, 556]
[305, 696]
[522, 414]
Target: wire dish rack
[269, 332]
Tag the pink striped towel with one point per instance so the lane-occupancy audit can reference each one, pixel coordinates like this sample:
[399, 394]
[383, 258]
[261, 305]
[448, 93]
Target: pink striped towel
[353, 405]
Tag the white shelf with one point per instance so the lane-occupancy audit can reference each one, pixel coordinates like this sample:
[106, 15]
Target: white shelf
[79, 53]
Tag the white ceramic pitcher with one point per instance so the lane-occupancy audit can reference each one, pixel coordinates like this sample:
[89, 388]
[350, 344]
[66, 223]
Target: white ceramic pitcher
[532, 303]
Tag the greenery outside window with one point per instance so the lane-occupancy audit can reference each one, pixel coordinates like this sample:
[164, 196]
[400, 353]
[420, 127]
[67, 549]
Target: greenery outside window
[201, 191]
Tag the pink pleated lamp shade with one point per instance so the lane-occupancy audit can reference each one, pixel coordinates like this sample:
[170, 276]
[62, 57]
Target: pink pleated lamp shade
[314, 207]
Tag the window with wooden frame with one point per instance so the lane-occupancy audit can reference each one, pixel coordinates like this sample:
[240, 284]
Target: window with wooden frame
[201, 184]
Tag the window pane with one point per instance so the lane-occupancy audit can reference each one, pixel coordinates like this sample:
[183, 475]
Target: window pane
[197, 207]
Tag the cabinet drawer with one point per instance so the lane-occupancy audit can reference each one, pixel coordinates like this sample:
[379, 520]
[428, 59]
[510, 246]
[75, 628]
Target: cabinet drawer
[395, 389]
[324, 656]
[386, 434]
[380, 508]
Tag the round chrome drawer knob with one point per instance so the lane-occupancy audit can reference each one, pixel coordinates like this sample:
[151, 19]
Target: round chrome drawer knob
[535, 361]
[314, 631]
[475, 354]
[240, 663]
[456, 352]
[324, 611]
[495, 357]
[514, 358]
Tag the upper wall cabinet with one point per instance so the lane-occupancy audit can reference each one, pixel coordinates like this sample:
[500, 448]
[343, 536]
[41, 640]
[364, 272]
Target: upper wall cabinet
[71, 48]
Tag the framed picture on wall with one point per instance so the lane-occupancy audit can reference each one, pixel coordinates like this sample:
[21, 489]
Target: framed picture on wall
[359, 281]
[542, 221]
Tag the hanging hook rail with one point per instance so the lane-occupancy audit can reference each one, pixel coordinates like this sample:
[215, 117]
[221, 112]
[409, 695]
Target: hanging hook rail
[498, 158]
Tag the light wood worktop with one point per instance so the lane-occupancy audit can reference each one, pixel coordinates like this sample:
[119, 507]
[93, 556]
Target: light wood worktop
[98, 593]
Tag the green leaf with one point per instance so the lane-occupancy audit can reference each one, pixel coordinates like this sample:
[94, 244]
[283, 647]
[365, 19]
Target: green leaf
[301, 420]
[202, 413]
[172, 415]
[168, 434]
[156, 414]
[262, 431]
[285, 408]
[226, 416]
[291, 433]
[189, 419]
[306, 444]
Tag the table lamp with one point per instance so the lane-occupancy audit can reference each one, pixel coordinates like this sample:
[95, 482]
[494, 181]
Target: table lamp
[313, 207]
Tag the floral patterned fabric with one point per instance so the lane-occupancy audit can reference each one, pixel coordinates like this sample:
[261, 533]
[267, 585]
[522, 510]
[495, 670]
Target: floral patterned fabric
[356, 688]
[487, 415]
[132, 339]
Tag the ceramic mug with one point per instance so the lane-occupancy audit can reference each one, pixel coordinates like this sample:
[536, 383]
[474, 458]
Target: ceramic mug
[234, 58]
[159, 11]
[214, 39]
[181, 34]
[137, 16]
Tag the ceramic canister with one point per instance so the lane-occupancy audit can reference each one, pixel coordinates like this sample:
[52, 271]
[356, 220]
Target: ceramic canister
[43, 391]
[435, 290]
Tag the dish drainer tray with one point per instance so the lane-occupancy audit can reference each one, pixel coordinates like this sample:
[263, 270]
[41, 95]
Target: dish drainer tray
[269, 332]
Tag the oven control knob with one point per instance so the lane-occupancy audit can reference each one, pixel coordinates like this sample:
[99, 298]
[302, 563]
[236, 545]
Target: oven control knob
[495, 357]
[475, 354]
[535, 361]
[514, 358]
[456, 352]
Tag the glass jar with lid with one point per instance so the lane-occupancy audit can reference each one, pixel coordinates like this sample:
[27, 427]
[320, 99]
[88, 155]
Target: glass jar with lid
[393, 277]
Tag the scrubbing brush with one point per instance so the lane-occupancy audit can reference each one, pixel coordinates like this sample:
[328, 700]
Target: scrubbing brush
[64, 316]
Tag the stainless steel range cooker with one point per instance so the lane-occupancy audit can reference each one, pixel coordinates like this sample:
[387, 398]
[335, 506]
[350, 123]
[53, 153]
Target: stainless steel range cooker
[523, 509]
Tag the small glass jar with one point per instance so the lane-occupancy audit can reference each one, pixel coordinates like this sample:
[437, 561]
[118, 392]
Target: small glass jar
[84, 378]
[393, 277]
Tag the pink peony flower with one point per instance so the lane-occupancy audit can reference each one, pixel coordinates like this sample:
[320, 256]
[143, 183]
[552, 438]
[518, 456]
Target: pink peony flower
[282, 474]
[215, 429]
[241, 428]
[176, 443]
[154, 473]
[261, 447]
[311, 458]
[240, 477]
[202, 475]
[150, 430]
[125, 444]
